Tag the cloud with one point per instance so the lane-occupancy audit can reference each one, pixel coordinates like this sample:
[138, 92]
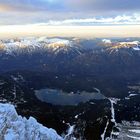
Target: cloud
[40, 18]
[69, 12]
[118, 20]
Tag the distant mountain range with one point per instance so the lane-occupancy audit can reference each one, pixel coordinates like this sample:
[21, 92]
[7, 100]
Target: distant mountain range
[58, 45]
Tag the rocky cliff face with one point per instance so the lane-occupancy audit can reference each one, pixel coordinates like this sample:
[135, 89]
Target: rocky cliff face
[15, 127]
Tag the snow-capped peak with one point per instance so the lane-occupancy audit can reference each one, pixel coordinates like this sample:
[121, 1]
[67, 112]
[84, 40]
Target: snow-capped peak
[129, 43]
[106, 41]
[58, 43]
[134, 45]
[33, 44]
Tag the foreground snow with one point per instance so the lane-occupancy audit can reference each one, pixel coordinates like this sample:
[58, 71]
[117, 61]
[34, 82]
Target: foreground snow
[14, 127]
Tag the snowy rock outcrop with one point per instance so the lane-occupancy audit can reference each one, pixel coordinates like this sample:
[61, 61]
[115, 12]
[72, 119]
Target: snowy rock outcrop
[15, 127]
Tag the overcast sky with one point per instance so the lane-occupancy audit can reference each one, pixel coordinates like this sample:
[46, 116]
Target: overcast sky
[69, 12]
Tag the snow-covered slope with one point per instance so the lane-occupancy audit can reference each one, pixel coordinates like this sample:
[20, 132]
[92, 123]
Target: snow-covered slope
[14, 127]
[33, 44]
[135, 45]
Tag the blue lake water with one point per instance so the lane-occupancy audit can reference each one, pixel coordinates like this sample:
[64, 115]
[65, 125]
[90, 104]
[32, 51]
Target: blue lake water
[58, 97]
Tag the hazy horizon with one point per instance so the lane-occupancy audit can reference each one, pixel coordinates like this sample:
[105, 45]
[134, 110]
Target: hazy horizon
[13, 31]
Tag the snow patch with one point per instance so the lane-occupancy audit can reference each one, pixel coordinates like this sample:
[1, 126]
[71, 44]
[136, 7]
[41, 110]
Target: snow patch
[112, 102]
[134, 138]
[70, 131]
[136, 48]
[135, 131]
[107, 41]
[103, 135]
[131, 95]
